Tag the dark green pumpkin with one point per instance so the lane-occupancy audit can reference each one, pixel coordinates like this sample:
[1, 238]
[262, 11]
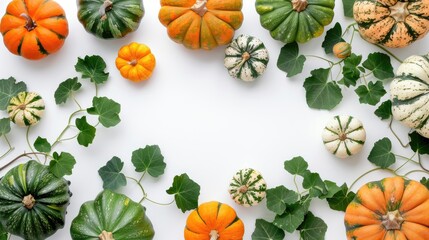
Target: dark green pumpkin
[295, 20]
[111, 216]
[33, 201]
[110, 18]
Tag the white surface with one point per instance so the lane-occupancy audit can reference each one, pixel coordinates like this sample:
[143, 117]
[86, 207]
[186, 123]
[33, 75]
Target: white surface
[206, 123]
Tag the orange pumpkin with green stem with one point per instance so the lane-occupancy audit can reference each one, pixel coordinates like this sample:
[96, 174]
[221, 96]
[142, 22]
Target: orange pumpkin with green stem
[34, 29]
[201, 23]
[135, 62]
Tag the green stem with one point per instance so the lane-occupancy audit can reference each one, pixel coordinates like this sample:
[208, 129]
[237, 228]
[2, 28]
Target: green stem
[415, 171]
[296, 186]
[77, 103]
[420, 163]
[67, 139]
[96, 89]
[396, 136]
[353, 34]
[58, 140]
[410, 159]
[10, 147]
[348, 28]
[331, 63]
[22, 155]
[390, 53]
[368, 172]
[162, 204]
[29, 144]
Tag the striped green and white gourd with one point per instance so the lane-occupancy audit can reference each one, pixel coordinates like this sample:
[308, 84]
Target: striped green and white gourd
[409, 92]
[247, 187]
[26, 108]
[110, 18]
[344, 136]
[246, 58]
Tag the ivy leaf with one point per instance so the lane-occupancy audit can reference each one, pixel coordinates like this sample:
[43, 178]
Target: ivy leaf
[313, 228]
[66, 89]
[341, 199]
[265, 230]
[331, 189]
[111, 174]
[348, 8]
[384, 111]
[333, 36]
[296, 166]
[290, 61]
[425, 182]
[4, 126]
[279, 197]
[381, 154]
[293, 217]
[379, 64]
[92, 67]
[185, 192]
[3, 234]
[313, 183]
[62, 164]
[351, 72]
[149, 159]
[372, 93]
[87, 131]
[418, 143]
[320, 93]
[42, 145]
[107, 111]
[9, 88]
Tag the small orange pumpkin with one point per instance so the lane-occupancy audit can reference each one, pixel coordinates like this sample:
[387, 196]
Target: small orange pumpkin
[201, 23]
[342, 50]
[214, 221]
[135, 62]
[34, 29]
[393, 208]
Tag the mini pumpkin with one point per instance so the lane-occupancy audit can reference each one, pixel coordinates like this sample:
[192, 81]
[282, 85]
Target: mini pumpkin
[344, 136]
[246, 58]
[202, 24]
[26, 109]
[214, 221]
[34, 29]
[409, 93]
[247, 187]
[392, 23]
[342, 50]
[393, 208]
[135, 62]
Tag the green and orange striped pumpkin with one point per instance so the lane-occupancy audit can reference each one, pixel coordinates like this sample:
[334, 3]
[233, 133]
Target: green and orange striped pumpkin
[26, 109]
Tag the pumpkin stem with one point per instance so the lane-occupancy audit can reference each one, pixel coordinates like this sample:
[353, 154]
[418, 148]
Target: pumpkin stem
[104, 235]
[392, 220]
[243, 189]
[133, 62]
[22, 106]
[299, 5]
[200, 7]
[28, 201]
[107, 6]
[214, 235]
[342, 136]
[29, 24]
[399, 11]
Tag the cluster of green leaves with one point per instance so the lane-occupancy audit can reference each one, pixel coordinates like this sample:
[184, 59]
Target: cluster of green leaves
[150, 160]
[292, 207]
[323, 90]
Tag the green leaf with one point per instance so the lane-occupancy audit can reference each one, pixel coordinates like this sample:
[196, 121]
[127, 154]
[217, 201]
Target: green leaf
[290, 61]
[351, 72]
[313, 228]
[267, 231]
[4, 126]
[107, 111]
[313, 183]
[92, 67]
[341, 199]
[87, 131]
[66, 89]
[149, 159]
[384, 111]
[296, 166]
[418, 143]
[185, 191]
[371, 94]
[425, 182]
[331, 189]
[293, 217]
[333, 36]
[279, 197]
[111, 174]
[379, 64]
[381, 154]
[348, 8]
[42, 145]
[3, 234]
[320, 93]
[9, 88]
[62, 164]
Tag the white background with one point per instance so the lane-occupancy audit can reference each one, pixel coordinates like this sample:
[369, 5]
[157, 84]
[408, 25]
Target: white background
[206, 123]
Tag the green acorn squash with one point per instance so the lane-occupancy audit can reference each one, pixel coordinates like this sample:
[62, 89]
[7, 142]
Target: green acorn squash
[110, 18]
[295, 20]
[111, 216]
[33, 201]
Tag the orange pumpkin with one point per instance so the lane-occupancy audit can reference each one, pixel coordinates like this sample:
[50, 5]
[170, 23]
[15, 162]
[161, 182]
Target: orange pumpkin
[135, 62]
[201, 23]
[393, 208]
[214, 221]
[34, 29]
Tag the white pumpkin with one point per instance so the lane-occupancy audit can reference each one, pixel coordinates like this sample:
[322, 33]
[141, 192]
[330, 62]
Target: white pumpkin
[26, 108]
[409, 92]
[247, 187]
[344, 136]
